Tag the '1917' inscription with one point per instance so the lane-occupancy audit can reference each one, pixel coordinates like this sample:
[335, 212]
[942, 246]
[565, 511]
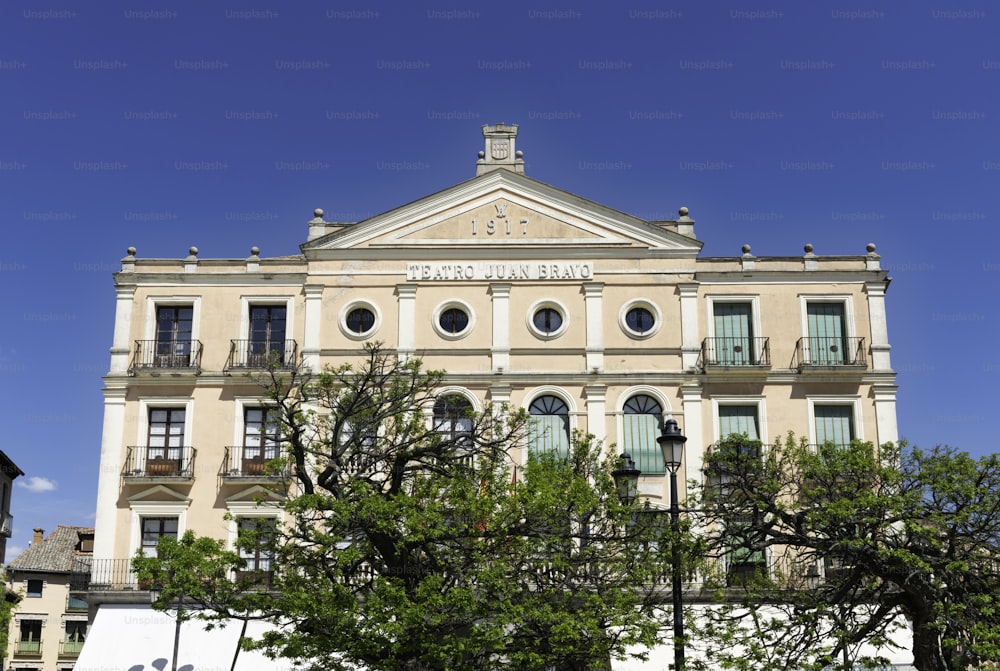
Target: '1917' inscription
[499, 271]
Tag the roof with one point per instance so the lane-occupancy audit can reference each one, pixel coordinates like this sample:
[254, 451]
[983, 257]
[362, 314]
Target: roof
[8, 466]
[59, 553]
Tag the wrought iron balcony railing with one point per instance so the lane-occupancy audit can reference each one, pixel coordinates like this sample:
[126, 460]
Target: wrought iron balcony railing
[70, 648]
[832, 352]
[253, 462]
[104, 575]
[28, 648]
[736, 352]
[148, 462]
[173, 355]
[259, 354]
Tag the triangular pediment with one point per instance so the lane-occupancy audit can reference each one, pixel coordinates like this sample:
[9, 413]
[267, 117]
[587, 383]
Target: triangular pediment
[159, 493]
[255, 494]
[501, 209]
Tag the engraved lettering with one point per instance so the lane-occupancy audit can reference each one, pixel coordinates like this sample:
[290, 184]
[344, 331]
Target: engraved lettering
[473, 226]
[491, 227]
[524, 227]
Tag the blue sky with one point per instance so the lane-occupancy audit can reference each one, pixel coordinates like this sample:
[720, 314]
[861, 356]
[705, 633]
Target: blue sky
[223, 125]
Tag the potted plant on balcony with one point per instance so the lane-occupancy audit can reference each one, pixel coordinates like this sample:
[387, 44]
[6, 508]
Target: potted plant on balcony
[161, 466]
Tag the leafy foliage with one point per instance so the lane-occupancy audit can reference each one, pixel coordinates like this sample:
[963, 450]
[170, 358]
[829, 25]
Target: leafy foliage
[406, 545]
[862, 540]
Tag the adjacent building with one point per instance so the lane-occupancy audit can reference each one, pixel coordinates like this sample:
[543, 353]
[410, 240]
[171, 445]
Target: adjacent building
[49, 626]
[9, 472]
[526, 294]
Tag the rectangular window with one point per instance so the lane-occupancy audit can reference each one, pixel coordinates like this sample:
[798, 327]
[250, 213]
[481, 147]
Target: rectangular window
[834, 424]
[154, 528]
[30, 639]
[166, 441]
[738, 419]
[267, 334]
[260, 439]
[828, 344]
[255, 537]
[744, 561]
[734, 344]
[76, 635]
[35, 587]
[173, 335]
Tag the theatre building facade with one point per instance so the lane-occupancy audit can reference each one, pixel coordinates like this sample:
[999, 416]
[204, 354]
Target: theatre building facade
[525, 294]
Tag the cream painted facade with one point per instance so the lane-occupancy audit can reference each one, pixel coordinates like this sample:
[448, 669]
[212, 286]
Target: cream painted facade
[569, 304]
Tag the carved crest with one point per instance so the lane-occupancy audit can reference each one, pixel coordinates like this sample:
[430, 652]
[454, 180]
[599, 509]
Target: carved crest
[501, 210]
[500, 149]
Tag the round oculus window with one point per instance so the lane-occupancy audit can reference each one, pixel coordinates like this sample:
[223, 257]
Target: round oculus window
[547, 320]
[453, 321]
[640, 320]
[360, 320]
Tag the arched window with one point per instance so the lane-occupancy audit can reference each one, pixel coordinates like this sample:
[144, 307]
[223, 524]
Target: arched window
[453, 417]
[641, 424]
[549, 425]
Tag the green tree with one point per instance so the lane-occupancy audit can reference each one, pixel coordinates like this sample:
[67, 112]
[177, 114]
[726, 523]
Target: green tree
[864, 540]
[416, 544]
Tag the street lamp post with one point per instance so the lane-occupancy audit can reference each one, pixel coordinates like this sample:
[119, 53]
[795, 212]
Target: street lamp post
[154, 596]
[672, 445]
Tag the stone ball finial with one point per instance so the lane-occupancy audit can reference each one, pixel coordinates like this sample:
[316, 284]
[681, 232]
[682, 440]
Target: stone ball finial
[193, 251]
[519, 154]
[683, 212]
[870, 247]
[131, 251]
[318, 212]
[254, 251]
[808, 248]
[746, 249]
[481, 154]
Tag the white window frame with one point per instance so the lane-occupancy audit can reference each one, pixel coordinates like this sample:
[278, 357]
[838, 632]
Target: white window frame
[853, 401]
[238, 509]
[561, 394]
[448, 305]
[154, 302]
[844, 299]
[246, 301]
[551, 304]
[640, 303]
[759, 401]
[142, 509]
[752, 299]
[347, 309]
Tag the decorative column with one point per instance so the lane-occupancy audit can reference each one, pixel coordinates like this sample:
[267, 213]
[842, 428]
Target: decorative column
[108, 484]
[406, 342]
[690, 345]
[500, 350]
[597, 424]
[886, 430]
[691, 398]
[311, 326]
[124, 302]
[879, 328]
[593, 294]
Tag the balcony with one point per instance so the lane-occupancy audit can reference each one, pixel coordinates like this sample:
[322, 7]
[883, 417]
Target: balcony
[104, 575]
[174, 356]
[7, 527]
[830, 353]
[245, 355]
[738, 353]
[28, 648]
[244, 464]
[70, 648]
[159, 464]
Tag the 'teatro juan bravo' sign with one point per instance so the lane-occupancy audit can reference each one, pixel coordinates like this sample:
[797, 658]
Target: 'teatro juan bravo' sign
[498, 270]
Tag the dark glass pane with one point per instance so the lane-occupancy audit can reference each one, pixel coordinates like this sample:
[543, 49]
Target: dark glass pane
[360, 320]
[548, 320]
[453, 321]
[639, 320]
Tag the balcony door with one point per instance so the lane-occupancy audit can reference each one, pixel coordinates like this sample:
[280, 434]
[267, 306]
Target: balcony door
[166, 441]
[267, 334]
[827, 337]
[733, 334]
[173, 335]
[260, 439]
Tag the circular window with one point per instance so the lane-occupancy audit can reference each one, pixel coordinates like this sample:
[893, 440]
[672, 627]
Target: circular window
[453, 320]
[547, 319]
[359, 320]
[640, 319]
